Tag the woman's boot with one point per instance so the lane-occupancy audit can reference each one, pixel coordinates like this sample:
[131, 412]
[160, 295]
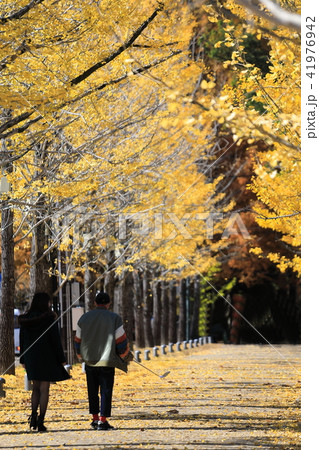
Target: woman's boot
[41, 427]
[33, 420]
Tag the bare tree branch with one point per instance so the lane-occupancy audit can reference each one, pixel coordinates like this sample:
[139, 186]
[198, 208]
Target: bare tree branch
[27, 45]
[10, 123]
[120, 50]
[275, 138]
[226, 13]
[18, 14]
[15, 120]
[137, 71]
[276, 14]
[261, 216]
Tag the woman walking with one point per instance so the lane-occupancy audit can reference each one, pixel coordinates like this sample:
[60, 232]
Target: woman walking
[41, 354]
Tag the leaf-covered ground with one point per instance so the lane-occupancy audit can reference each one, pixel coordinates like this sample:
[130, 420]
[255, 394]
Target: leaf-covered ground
[216, 397]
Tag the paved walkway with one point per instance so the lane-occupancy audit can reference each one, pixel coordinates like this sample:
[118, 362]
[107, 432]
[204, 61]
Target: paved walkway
[216, 396]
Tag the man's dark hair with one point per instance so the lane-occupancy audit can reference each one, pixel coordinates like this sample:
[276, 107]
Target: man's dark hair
[102, 298]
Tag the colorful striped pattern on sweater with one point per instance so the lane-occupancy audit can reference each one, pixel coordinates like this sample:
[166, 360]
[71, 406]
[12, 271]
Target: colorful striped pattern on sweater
[122, 347]
[77, 342]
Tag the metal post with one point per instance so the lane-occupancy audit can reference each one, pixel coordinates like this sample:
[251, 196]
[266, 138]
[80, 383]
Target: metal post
[69, 337]
[187, 308]
[2, 392]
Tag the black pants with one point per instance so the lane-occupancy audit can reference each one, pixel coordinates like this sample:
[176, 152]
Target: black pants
[100, 379]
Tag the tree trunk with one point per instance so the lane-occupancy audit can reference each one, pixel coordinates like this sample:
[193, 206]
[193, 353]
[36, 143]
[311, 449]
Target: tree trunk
[138, 311]
[172, 335]
[147, 302]
[196, 306]
[182, 311]
[7, 357]
[40, 281]
[126, 290]
[238, 301]
[109, 279]
[156, 310]
[165, 313]
[89, 286]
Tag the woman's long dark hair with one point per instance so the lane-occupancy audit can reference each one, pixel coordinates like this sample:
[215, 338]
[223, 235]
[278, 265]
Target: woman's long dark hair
[40, 302]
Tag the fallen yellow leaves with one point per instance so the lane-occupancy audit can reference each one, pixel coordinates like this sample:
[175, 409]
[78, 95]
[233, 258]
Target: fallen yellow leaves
[231, 396]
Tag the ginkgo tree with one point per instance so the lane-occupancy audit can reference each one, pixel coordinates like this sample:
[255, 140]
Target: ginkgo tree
[102, 121]
[264, 105]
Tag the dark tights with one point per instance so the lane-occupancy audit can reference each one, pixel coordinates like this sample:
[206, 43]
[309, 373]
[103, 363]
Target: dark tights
[40, 396]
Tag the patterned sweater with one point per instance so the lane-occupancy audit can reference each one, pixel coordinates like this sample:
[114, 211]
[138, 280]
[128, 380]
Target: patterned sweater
[101, 340]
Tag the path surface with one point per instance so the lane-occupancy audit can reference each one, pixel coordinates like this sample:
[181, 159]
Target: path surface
[217, 396]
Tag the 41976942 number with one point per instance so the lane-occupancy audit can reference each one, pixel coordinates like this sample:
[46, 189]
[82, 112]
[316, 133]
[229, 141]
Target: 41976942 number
[310, 46]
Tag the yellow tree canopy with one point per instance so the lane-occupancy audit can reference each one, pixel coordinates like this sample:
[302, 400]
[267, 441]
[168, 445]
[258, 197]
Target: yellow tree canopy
[264, 105]
[99, 121]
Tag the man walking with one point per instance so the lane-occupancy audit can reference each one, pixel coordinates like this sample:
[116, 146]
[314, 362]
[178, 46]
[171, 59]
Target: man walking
[102, 344]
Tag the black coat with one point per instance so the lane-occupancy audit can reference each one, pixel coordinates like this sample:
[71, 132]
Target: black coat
[40, 347]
